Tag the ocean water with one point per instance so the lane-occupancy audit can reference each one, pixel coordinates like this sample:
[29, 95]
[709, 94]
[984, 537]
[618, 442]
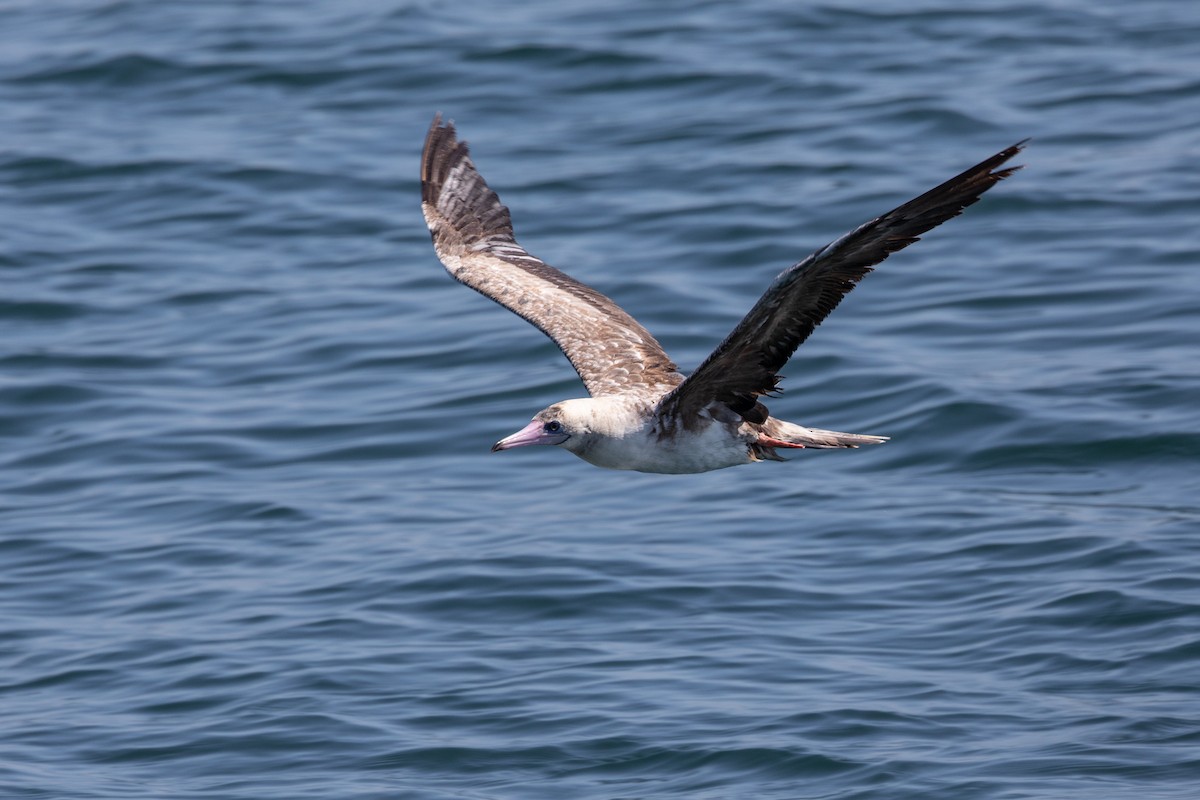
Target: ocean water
[252, 541]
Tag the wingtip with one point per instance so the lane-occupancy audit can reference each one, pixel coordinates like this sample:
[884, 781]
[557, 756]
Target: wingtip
[442, 145]
[439, 131]
[1004, 155]
[1020, 147]
[438, 124]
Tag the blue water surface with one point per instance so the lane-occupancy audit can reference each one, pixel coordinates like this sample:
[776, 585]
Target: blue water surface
[252, 542]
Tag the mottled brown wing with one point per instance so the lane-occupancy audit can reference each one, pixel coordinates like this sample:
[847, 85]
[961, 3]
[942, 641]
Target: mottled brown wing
[746, 364]
[473, 236]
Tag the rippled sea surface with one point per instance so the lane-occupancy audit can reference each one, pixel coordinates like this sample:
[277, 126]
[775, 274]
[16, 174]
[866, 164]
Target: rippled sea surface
[252, 541]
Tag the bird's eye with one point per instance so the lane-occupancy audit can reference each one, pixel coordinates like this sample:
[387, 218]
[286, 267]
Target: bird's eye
[553, 426]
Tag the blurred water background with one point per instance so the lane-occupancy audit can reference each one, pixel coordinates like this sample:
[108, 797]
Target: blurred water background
[252, 542]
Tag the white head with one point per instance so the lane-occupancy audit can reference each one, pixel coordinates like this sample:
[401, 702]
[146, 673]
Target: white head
[571, 424]
[577, 425]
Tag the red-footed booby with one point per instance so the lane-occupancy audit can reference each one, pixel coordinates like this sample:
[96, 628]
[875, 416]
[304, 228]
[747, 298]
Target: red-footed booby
[643, 414]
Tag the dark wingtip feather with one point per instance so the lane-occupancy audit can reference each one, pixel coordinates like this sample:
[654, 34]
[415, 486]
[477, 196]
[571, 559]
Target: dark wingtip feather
[441, 152]
[460, 196]
[950, 198]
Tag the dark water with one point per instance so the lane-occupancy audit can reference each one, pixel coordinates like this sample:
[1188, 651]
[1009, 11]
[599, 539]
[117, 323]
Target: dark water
[253, 544]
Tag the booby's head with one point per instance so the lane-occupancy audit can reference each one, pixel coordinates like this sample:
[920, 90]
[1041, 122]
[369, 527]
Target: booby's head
[570, 423]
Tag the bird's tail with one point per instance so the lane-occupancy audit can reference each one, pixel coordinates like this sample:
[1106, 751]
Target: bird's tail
[777, 433]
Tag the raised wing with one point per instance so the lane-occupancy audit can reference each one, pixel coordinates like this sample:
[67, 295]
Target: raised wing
[473, 236]
[745, 365]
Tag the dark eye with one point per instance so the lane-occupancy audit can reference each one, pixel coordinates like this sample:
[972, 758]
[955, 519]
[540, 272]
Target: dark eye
[553, 426]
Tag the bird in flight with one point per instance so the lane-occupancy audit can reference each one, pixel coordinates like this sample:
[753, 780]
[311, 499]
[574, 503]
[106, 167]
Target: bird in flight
[642, 413]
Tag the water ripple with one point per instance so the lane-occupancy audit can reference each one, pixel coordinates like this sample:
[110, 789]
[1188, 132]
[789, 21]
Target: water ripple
[255, 543]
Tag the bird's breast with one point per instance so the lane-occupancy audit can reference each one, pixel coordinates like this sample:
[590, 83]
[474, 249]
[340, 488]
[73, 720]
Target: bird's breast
[714, 446]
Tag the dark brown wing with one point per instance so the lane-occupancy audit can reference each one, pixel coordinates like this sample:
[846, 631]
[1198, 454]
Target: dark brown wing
[746, 364]
[473, 237]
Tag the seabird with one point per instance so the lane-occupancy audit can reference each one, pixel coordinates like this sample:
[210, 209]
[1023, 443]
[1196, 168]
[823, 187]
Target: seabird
[642, 413]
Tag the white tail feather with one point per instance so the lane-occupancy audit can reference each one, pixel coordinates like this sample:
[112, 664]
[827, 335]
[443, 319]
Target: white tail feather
[817, 438]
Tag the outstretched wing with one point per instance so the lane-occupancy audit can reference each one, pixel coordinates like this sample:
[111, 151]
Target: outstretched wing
[473, 237]
[746, 364]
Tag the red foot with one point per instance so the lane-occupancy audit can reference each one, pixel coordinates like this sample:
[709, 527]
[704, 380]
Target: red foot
[769, 441]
